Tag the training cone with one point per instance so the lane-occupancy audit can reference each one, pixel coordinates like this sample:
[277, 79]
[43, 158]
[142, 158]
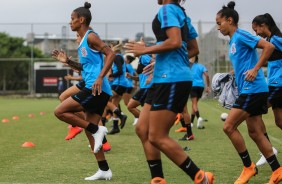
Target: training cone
[31, 115]
[28, 145]
[42, 113]
[15, 118]
[5, 120]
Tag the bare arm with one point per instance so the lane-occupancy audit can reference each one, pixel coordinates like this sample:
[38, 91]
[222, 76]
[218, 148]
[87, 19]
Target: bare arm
[208, 90]
[193, 49]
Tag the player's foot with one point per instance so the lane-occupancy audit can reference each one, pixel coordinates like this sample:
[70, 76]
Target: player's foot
[98, 138]
[114, 131]
[106, 146]
[135, 121]
[181, 129]
[122, 121]
[101, 175]
[200, 123]
[276, 176]
[203, 177]
[158, 180]
[246, 174]
[262, 159]
[73, 132]
[186, 138]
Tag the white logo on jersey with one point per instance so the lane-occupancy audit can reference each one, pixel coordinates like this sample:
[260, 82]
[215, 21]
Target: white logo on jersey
[233, 48]
[83, 51]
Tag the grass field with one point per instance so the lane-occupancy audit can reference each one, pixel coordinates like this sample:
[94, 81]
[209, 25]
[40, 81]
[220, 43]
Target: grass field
[55, 160]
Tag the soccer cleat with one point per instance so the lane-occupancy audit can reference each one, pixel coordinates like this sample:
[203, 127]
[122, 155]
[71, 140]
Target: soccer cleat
[177, 119]
[158, 180]
[181, 129]
[246, 174]
[262, 159]
[200, 123]
[106, 146]
[101, 175]
[276, 176]
[98, 138]
[122, 121]
[203, 177]
[73, 132]
[186, 138]
[114, 131]
[135, 121]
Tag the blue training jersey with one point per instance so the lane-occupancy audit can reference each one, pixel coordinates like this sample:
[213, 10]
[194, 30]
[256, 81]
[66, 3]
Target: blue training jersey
[121, 79]
[131, 71]
[92, 63]
[197, 74]
[244, 56]
[144, 60]
[192, 32]
[173, 65]
[274, 67]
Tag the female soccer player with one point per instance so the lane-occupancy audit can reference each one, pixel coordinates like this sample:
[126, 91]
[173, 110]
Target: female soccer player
[252, 88]
[94, 96]
[169, 92]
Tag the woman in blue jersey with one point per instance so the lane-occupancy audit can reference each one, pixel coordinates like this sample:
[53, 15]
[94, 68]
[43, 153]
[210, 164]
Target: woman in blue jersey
[144, 84]
[169, 92]
[265, 26]
[94, 96]
[252, 88]
[198, 87]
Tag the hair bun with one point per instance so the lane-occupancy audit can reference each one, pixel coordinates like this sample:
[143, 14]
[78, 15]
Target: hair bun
[87, 5]
[231, 5]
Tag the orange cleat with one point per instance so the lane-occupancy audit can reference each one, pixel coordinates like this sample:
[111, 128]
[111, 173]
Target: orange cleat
[158, 180]
[73, 132]
[204, 177]
[177, 119]
[181, 129]
[106, 147]
[276, 176]
[246, 174]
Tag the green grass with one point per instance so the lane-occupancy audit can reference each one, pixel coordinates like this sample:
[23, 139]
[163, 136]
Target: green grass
[55, 160]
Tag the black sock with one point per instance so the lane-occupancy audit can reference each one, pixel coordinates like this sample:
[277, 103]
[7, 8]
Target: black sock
[115, 123]
[103, 119]
[103, 165]
[182, 122]
[118, 113]
[189, 129]
[105, 140]
[197, 114]
[246, 158]
[156, 168]
[109, 112]
[92, 128]
[266, 136]
[190, 168]
[192, 118]
[273, 162]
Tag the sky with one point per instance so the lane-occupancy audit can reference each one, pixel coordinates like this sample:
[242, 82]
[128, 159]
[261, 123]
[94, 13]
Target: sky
[116, 11]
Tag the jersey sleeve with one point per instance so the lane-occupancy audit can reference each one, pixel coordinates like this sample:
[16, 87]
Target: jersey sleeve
[248, 39]
[168, 17]
[277, 42]
[192, 31]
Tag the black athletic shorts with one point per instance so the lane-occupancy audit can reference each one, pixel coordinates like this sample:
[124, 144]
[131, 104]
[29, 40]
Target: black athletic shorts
[128, 90]
[140, 95]
[196, 92]
[81, 84]
[93, 104]
[275, 97]
[255, 104]
[170, 96]
[119, 89]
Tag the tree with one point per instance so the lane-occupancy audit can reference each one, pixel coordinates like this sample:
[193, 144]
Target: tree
[14, 63]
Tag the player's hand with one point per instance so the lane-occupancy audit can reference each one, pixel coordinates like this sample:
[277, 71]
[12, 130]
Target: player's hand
[250, 75]
[60, 56]
[97, 86]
